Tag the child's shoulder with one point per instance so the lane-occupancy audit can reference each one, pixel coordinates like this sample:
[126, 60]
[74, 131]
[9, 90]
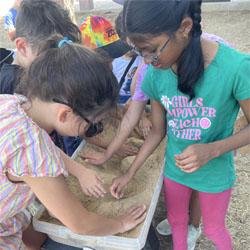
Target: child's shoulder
[9, 78]
[9, 68]
[230, 60]
[11, 13]
[230, 53]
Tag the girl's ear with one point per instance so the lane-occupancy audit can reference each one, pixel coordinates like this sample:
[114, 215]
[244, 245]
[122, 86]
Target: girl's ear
[185, 27]
[64, 114]
[22, 46]
[25, 53]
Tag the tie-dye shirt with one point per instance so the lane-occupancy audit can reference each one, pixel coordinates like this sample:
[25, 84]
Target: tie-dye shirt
[26, 149]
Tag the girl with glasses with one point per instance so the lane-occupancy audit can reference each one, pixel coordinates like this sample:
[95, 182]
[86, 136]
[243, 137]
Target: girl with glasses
[62, 91]
[196, 86]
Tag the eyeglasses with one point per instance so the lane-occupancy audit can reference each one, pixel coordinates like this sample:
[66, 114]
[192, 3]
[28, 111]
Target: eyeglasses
[93, 128]
[154, 58]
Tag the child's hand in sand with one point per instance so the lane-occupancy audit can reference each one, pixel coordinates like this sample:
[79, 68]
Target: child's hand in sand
[97, 158]
[145, 126]
[138, 132]
[91, 183]
[92, 157]
[132, 218]
[127, 149]
[118, 185]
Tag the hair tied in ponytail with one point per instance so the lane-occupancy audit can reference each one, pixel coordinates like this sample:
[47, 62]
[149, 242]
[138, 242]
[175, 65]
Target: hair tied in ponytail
[65, 40]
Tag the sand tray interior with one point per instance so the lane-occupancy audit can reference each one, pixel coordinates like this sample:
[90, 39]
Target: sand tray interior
[139, 191]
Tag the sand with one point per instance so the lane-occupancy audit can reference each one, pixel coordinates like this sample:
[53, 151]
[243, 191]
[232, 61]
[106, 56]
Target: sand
[140, 189]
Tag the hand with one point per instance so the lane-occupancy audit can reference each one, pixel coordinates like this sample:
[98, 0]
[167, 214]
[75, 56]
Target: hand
[94, 158]
[118, 184]
[145, 126]
[138, 131]
[91, 183]
[127, 149]
[132, 218]
[194, 157]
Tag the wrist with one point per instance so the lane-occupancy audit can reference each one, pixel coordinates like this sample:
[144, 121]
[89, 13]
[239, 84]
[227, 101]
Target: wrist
[130, 174]
[215, 150]
[74, 168]
[79, 171]
[121, 226]
[107, 155]
[144, 116]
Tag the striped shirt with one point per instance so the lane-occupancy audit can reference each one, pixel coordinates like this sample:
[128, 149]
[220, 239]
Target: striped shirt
[26, 149]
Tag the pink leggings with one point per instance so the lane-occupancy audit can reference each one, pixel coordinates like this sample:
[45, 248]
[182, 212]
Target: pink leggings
[213, 210]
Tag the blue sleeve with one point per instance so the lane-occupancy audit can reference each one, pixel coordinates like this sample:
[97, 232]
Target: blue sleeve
[241, 88]
[147, 85]
[8, 21]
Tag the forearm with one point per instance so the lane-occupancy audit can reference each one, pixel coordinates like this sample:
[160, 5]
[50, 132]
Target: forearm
[152, 141]
[71, 166]
[122, 133]
[98, 141]
[57, 198]
[230, 143]
[155, 136]
[128, 123]
[144, 114]
[98, 225]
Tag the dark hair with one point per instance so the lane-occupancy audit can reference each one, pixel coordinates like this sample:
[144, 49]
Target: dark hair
[39, 19]
[118, 26]
[72, 74]
[165, 16]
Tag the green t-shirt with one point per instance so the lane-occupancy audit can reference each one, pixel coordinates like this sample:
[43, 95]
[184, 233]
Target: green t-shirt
[209, 117]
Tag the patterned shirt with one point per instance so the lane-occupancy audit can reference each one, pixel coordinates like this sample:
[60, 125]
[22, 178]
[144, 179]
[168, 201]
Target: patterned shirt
[26, 149]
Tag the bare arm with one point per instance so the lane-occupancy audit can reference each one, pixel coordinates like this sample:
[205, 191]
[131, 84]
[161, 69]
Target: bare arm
[237, 140]
[157, 133]
[56, 196]
[98, 141]
[126, 149]
[91, 183]
[129, 121]
[196, 156]
[145, 124]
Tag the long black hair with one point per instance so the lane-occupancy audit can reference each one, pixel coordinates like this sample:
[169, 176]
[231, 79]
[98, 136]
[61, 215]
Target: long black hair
[165, 16]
